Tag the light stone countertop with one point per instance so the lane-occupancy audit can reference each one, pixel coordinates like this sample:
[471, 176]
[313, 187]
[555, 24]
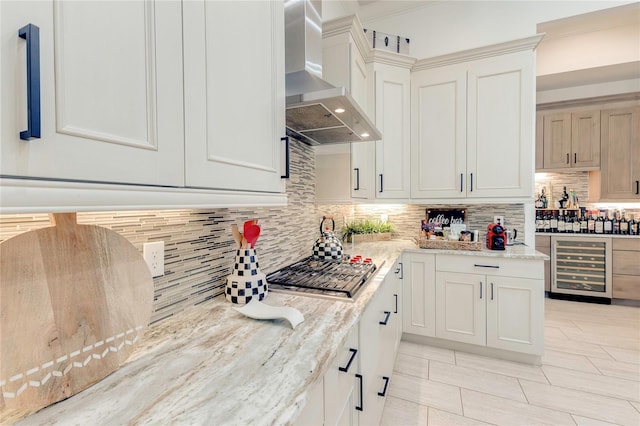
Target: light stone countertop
[212, 365]
[569, 234]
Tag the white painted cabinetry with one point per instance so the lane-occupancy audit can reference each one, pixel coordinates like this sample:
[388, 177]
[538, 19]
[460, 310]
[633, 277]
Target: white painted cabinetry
[392, 79]
[155, 111]
[234, 94]
[110, 95]
[491, 302]
[419, 293]
[473, 123]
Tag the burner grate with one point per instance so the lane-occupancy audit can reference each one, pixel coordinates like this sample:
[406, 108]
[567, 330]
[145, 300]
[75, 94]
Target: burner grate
[340, 278]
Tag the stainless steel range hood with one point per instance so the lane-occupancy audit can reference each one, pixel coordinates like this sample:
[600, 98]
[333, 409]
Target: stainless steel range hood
[318, 113]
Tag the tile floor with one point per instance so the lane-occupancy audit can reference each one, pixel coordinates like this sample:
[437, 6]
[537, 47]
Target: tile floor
[590, 375]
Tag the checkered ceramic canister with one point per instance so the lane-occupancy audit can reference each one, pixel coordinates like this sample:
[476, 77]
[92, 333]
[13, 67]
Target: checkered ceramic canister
[246, 281]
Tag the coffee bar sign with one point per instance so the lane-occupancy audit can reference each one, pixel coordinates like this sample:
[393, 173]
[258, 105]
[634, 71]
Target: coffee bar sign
[446, 217]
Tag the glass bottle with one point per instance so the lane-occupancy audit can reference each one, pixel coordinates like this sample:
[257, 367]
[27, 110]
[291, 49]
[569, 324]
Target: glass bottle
[584, 222]
[576, 224]
[633, 226]
[547, 222]
[624, 225]
[600, 223]
[539, 222]
[591, 223]
[608, 224]
[553, 222]
[616, 222]
[561, 222]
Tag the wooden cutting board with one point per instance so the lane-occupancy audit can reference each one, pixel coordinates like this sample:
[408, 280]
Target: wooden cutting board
[74, 301]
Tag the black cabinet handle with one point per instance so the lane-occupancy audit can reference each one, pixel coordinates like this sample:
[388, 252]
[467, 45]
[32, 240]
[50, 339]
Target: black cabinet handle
[396, 296]
[386, 319]
[353, 356]
[461, 178]
[400, 270]
[478, 265]
[381, 183]
[386, 383]
[471, 182]
[287, 158]
[575, 158]
[491, 291]
[567, 158]
[359, 376]
[480, 289]
[31, 34]
[357, 170]
[638, 187]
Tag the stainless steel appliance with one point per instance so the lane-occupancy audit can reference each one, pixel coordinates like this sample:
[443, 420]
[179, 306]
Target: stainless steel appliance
[335, 279]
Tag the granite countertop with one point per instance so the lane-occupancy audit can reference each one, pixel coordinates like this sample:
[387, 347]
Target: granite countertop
[569, 234]
[212, 365]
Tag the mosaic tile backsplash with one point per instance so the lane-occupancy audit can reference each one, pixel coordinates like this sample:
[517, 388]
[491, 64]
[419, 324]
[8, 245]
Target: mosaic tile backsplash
[199, 248]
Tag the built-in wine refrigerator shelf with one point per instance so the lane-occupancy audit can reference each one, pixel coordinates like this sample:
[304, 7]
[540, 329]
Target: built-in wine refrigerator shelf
[580, 266]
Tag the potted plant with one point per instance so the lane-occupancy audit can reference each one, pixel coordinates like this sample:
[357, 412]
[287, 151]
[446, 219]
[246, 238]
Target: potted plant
[366, 230]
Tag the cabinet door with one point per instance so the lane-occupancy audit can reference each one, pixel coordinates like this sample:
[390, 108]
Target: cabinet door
[339, 384]
[620, 161]
[111, 95]
[500, 126]
[234, 94]
[313, 413]
[438, 132]
[585, 139]
[392, 95]
[515, 314]
[461, 312]
[362, 168]
[539, 141]
[419, 294]
[557, 140]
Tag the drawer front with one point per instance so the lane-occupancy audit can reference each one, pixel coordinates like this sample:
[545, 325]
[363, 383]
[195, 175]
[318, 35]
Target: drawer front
[626, 244]
[626, 287]
[543, 243]
[626, 263]
[490, 266]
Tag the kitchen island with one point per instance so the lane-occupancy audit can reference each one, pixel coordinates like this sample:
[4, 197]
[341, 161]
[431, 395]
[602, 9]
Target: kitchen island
[212, 365]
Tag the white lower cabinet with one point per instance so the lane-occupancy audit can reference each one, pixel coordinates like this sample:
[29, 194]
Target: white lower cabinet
[419, 294]
[485, 301]
[354, 389]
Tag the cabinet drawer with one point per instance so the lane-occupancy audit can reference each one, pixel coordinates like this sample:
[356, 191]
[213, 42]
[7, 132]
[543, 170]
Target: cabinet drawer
[543, 244]
[626, 287]
[626, 263]
[626, 244]
[490, 266]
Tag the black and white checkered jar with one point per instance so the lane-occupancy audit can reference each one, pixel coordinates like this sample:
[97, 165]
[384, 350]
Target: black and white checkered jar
[246, 281]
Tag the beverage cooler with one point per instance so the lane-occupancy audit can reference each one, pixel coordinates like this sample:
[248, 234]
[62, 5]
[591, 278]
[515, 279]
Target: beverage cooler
[581, 269]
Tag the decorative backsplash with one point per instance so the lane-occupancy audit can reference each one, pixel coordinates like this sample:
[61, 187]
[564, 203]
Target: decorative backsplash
[200, 250]
[199, 247]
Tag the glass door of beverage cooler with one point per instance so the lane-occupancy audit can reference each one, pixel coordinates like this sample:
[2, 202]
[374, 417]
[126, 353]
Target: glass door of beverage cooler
[581, 266]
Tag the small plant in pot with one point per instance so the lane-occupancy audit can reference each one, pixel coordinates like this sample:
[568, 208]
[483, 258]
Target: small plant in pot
[366, 230]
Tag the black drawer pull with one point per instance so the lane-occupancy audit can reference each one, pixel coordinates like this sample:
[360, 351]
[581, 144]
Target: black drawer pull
[480, 289]
[396, 296]
[486, 266]
[359, 376]
[491, 291]
[386, 383]
[386, 319]
[353, 356]
[287, 158]
[357, 170]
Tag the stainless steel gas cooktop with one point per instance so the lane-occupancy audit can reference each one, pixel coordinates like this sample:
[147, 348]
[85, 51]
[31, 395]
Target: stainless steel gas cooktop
[336, 279]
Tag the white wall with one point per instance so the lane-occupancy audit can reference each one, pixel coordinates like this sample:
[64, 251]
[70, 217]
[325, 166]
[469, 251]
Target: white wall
[440, 27]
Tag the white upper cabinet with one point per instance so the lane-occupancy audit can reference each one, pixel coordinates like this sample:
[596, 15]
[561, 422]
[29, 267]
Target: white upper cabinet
[234, 94]
[473, 124]
[392, 118]
[110, 77]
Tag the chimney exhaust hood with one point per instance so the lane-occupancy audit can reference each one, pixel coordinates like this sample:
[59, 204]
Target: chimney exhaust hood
[317, 113]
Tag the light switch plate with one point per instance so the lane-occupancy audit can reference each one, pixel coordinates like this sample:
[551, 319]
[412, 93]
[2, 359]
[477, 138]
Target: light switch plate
[153, 254]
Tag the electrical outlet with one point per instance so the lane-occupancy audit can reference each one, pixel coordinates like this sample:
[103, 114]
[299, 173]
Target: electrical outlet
[153, 254]
[500, 220]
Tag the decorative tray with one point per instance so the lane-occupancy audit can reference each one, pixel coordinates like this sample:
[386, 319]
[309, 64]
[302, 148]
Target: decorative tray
[425, 243]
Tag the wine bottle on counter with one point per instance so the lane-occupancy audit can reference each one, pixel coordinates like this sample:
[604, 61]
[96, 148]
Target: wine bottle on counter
[624, 225]
[553, 222]
[608, 224]
[633, 226]
[576, 224]
[547, 222]
[561, 222]
[599, 228]
[584, 222]
[616, 222]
